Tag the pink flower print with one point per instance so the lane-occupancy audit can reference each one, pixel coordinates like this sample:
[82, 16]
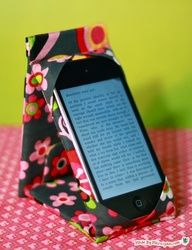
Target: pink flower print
[23, 167]
[36, 80]
[80, 175]
[108, 230]
[62, 198]
[84, 218]
[41, 148]
[49, 114]
[73, 186]
[45, 170]
[33, 108]
[79, 172]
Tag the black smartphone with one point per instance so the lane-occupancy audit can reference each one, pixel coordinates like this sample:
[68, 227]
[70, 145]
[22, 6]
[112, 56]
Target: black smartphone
[109, 136]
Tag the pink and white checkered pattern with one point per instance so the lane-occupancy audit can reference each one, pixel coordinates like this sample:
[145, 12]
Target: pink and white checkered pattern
[25, 224]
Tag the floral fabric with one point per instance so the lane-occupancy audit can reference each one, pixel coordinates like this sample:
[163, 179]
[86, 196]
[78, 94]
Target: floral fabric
[50, 171]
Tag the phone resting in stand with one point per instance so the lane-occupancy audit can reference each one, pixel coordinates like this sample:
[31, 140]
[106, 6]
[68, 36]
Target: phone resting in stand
[112, 146]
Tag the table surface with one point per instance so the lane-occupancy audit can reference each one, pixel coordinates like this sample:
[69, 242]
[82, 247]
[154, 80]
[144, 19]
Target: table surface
[25, 224]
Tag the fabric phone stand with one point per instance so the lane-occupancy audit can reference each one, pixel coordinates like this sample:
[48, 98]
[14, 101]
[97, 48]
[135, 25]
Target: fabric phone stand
[50, 171]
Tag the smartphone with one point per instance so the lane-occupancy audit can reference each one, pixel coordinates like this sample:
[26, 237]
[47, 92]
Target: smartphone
[109, 136]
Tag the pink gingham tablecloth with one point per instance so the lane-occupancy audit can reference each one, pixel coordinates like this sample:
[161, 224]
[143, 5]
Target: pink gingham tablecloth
[25, 224]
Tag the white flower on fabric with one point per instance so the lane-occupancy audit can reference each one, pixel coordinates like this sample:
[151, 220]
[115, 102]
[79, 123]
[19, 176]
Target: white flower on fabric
[59, 58]
[167, 192]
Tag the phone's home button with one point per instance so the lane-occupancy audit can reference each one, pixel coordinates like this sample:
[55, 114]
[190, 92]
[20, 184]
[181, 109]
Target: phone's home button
[139, 203]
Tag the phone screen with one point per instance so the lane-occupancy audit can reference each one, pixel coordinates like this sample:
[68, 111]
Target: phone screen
[110, 137]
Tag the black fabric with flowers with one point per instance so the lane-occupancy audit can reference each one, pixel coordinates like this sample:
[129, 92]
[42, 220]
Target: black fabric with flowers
[50, 171]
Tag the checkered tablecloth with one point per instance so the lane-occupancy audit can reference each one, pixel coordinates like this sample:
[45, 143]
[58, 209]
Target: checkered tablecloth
[25, 224]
